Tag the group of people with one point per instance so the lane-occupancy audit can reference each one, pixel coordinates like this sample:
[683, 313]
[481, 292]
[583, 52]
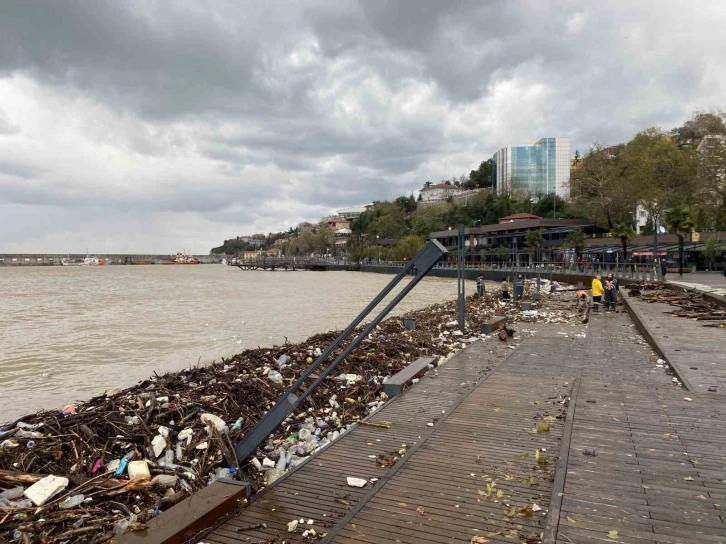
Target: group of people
[607, 289]
[506, 288]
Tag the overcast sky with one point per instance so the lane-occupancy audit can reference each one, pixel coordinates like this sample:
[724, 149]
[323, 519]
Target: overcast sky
[149, 125]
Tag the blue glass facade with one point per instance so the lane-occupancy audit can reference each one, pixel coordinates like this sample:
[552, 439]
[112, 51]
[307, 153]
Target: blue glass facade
[538, 169]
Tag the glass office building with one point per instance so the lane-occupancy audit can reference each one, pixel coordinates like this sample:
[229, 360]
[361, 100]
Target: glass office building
[538, 169]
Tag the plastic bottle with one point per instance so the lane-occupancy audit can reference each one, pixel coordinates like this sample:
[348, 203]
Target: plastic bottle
[72, 502]
[274, 376]
[168, 466]
[282, 360]
[169, 456]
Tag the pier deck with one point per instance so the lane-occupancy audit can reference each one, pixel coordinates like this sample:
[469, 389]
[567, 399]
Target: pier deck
[657, 473]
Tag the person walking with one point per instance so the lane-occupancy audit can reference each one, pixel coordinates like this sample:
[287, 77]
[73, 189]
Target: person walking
[663, 268]
[480, 287]
[597, 292]
[611, 292]
[506, 288]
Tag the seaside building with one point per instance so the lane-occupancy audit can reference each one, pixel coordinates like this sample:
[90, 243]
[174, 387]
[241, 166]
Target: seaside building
[440, 192]
[539, 169]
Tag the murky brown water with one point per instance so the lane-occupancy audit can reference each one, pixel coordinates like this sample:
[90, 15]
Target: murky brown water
[68, 334]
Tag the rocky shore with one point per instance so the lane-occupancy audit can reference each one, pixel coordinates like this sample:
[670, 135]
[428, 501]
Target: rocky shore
[106, 466]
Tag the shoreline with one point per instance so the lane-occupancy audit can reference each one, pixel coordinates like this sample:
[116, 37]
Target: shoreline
[169, 422]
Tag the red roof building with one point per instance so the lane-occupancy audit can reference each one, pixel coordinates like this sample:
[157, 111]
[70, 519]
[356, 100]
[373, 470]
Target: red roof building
[518, 217]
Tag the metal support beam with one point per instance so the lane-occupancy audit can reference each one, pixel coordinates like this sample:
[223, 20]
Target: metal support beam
[423, 262]
[460, 277]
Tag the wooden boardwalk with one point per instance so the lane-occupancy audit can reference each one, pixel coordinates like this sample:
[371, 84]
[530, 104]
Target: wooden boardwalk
[658, 473]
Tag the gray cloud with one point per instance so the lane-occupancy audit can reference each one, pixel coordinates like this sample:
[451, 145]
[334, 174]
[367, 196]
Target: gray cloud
[244, 116]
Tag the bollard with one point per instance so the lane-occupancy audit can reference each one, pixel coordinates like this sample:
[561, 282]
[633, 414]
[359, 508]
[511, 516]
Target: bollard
[409, 323]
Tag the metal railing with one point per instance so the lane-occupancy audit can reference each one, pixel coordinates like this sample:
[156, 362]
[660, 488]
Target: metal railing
[628, 270]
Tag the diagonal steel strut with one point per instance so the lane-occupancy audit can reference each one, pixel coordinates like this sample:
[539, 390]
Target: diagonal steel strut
[422, 263]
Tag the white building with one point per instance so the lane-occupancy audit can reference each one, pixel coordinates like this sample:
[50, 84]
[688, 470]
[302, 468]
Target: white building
[352, 213]
[440, 192]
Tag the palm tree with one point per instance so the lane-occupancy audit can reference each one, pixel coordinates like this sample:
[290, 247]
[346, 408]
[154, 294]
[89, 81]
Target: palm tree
[534, 240]
[678, 220]
[576, 240]
[625, 232]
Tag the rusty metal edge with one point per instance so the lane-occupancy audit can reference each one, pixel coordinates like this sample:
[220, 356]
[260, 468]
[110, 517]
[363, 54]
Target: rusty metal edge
[552, 523]
[653, 341]
[401, 462]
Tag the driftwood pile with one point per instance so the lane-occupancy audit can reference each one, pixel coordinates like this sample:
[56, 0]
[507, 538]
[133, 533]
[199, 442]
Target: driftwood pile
[688, 303]
[106, 466]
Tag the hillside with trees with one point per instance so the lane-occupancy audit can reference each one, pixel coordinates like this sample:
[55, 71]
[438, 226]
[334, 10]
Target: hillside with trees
[656, 169]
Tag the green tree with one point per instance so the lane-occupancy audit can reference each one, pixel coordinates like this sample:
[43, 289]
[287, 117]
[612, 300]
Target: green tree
[678, 220]
[534, 239]
[699, 125]
[356, 247]
[324, 238]
[626, 233]
[502, 252]
[711, 250]
[599, 190]
[551, 206]
[657, 171]
[709, 206]
[408, 246]
[577, 240]
[428, 219]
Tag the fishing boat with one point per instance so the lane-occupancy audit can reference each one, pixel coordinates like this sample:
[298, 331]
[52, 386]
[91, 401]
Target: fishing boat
[182, 258]
[67, 261]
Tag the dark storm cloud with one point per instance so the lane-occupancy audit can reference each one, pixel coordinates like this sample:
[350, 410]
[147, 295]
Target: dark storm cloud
[256, 114]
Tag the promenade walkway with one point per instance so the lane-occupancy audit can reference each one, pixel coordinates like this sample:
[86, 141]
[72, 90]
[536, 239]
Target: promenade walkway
[711, 282]
[630, 458]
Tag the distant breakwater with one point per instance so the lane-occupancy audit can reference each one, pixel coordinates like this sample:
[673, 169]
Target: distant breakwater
[54, 259]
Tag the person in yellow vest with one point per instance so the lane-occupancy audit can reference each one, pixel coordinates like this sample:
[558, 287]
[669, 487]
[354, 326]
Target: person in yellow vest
[597, 292]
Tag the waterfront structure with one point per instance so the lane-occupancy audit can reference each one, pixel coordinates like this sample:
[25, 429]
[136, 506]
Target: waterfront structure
[507, 240]
[440, 192]
[538, 170]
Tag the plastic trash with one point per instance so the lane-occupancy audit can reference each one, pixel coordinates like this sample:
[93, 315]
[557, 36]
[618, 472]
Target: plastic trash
[186, 434]
[268, 463]
[121, 527]
[25, 503]
[28, 434]
[169, 455]
[71, 502]
[28, 426]
[179, 453]
[9, 444]
[257, 463]
[282, 360]
[13, 493]
[121, 467]
[45, 488]
[68, 409]
[165, 481]
[139, 470]
[158, 444]
[238, 424]
[163, 431]
[274, 376]
[292, 526]
[216, 421]
[356, 482]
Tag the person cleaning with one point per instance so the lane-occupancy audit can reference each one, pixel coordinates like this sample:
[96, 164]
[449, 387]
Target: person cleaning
[506, 288]
[611, 293]
[597, 292]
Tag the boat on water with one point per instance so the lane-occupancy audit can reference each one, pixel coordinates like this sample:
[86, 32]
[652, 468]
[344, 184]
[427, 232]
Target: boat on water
[182, 258]
[88, 261]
